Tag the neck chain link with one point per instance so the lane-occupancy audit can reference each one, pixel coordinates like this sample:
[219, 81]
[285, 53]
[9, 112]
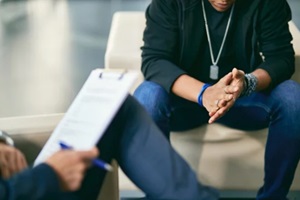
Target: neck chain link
[215, 62]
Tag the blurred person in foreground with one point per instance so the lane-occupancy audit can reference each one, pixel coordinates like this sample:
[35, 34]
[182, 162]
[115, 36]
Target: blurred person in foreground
[63, 171]
[132, 138]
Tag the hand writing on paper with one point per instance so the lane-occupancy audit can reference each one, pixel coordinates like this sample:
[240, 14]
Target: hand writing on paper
[70, 166]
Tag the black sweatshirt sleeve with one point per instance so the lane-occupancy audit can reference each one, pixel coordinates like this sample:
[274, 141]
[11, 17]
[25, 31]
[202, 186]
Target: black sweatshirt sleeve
[35, 183]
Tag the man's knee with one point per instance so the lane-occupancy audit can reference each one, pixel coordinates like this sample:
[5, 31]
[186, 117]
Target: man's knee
[286, 99]
[287, 94]
[153, 97]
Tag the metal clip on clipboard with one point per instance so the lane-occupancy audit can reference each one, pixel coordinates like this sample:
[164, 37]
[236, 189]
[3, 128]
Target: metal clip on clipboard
[112, 74]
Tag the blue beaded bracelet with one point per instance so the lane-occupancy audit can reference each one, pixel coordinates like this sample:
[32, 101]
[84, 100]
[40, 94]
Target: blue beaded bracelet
[204, 87]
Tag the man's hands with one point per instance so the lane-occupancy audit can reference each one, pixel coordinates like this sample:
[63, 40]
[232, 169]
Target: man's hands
[219, 98]
[70, 166]
[11, 161]
[214, 97]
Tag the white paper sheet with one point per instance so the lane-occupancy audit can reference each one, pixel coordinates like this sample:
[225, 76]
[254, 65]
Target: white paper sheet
[91, 112]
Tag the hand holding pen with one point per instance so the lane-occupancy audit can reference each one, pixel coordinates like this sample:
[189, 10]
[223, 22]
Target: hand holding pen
[97, 162]
[70, 167]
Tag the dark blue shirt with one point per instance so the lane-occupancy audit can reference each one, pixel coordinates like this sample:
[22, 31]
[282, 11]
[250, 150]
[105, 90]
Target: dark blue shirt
[39, 182]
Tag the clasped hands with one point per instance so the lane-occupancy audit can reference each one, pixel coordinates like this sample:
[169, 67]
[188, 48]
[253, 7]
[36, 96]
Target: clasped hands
[220, 97]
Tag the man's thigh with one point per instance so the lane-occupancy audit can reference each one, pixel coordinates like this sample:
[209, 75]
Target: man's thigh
[249, 113]
[186, 115]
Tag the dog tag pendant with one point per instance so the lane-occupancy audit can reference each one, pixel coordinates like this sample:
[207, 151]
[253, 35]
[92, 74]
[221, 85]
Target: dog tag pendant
[214, 72]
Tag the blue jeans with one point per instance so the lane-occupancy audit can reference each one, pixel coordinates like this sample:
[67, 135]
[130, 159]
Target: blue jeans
[146, 157]
[279, 110]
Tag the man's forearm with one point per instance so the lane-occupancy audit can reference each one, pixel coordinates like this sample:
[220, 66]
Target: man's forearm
[187, 87]
[36, 183]
[263, 79]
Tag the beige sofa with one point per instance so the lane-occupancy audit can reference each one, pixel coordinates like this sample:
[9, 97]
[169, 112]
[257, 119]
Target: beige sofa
[228, 159]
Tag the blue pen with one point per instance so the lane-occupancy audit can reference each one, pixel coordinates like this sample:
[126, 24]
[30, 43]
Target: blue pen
[96, 162]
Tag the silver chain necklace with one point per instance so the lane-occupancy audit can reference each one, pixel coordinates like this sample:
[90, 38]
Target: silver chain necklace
[214, 69]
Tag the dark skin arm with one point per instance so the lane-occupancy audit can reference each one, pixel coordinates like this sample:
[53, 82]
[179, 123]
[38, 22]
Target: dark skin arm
[236, 87]
[188, 88]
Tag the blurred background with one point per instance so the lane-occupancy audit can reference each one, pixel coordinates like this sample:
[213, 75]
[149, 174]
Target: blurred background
[49, 47]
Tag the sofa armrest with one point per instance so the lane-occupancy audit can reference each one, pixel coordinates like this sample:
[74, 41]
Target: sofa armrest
[296, 42]
[125, 40]
[30, 133]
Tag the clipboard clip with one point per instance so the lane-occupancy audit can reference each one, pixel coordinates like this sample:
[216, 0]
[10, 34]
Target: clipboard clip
[112, 74]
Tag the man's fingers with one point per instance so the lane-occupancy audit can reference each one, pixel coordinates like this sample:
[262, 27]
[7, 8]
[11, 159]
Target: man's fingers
[230, 89]
[214, 117]
[90, 154]
[221, 112]
[237, 73]
[21, 162]
[222, 103]
[226, 79]
[5, 172]
[24, 162]
[12, 161]
[74, 182]
[234, 72]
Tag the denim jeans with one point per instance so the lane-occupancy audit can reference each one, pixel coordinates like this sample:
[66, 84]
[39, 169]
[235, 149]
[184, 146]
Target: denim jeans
[146, 157]
[279, 110]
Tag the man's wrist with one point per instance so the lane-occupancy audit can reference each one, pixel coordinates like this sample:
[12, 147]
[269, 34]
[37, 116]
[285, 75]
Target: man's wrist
[204, 87]
[4, 137]
[250, 84]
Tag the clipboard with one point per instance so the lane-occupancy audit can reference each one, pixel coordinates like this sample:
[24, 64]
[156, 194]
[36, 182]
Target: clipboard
[91, 112]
